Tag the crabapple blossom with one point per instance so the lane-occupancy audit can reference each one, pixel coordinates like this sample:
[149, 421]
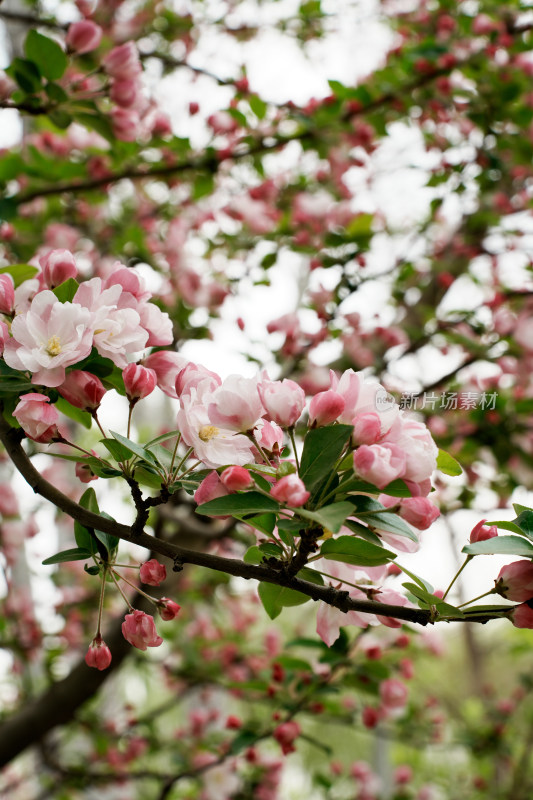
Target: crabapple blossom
[283, 400]
[269, 436]
[194, 376]
[362, 396]
[366, 428]
[7, 294]
[168, 609]
[522, 616]
[139, 382]
[82, 389]
[379, 463]
[236, 479]
[236, 404]
[418, 511]
[98, 655]
[210, 488]
[515, 581]
[37, 418]
[393, 693]
[49, 337]
[139, 630]
[290, 491]
[166, 366]
[481, 532]
[83, 36]
[58, 266]
[152, 572]
[123, 63]
[325, 408]
[285, 735]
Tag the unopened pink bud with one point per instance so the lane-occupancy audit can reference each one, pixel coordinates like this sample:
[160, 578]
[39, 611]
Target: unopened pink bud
[393, 693]
[139, 630]
[123, 63]
[522, 616]
[515, 581]
[285, 735]
[37, 418]
[98, 654]
[366, 428]
[125, 123]
[379, 464]
[236, 479]
[168, 609]
[269, 436]
[84, 473]
[290, 491]
[283, 400]
[210, 488]
[325, 407]
[166, 366]
[7, 294]
[418, 511]
[139, 382]
[482, 532]
[125, 93]
[152, 572]
[83, 36]
[82, 389]
[58, 266]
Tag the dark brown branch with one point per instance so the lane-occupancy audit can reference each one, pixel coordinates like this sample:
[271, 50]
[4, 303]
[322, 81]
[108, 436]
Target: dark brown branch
[31, 21]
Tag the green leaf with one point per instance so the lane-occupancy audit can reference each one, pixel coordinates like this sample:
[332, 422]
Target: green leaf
[75, 554]
[427, 599]
[83, 538]
[263, 522]
[420, 581]
[329, 517]
[204, 184]
[369, 511]
[503, 545]
[395, 489]
[88, 500]
[237, 505]
[46, 54]
[26, 74]
[274, 598]
[65, 291]
[356, 551]
[322, 449]
[524, 520]
[61, 119]
[506, 525]
[258, 106]
[56, 93]
[448, 464]
[135, 448]
[271, 549]
[163, 438]
[20, 272]
[109, 541]
[95, 122]
[253, 555]
[77, 414]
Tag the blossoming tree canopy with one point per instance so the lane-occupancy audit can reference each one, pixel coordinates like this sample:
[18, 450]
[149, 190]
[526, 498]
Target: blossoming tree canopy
[162, 192]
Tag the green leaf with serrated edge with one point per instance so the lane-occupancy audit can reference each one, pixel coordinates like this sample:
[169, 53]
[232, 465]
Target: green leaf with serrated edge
[75, 554]
[500, 545]
[20, 272]
[238, 505]
[274, 598]
[524, 521]
[322, 449]
[163, 438]
[253, 555]
[135, 448]
[355, 551]
[395, 489]
[330, 517]
[420, 581]
[263, 522]
[65, 291]
[46, 54]
[77, 414]
[448, 464]
[118, 451]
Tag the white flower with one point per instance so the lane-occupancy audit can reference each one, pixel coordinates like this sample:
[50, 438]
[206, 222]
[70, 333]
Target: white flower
[49, 337]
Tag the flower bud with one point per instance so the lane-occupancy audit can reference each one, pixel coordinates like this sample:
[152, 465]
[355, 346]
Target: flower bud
[125, 93]
[168, 609]
[125, 123]
[139, 630]
[7, 294]
[123, 63]
[325, 407]
[58, 266]
[283, 400]
[366, 428]
[522, 616]
[210, 488]
[393, 693]
[98, 654]
[37, 418]
[515, 581]
[285, 734]
[290, 491]
[139, 382]
[152, 572]
[482, 532]
[379, 464]
[236, 478]
[418, 511]
[82, 389]
[83, 36]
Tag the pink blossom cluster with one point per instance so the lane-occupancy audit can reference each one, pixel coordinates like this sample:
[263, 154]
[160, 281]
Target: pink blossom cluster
[114, 316]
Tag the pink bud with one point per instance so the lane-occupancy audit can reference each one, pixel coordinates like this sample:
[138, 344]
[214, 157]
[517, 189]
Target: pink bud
[285, 734]
[482, 532]
[403, 774]
[123, 63]
[37, 418]
[236, 478]
[283, 400]
[139, 630]
[7, 294]
[325, 407]
[98, 654]
[4, 336]
[82, 389]
[139, 382]
[210, 488]
[290, 491]
[418, 511]
[83, 36]
[58, 266]
[152, 572]
[366, 428]
[125, 123]
[379, 464]
[370, 716]
[522, 616]
[84, 473]
[166, 366]
[168, 609]
[192, 376]
[393, 693]
[125, 93]
[269, 436]
[515, 581]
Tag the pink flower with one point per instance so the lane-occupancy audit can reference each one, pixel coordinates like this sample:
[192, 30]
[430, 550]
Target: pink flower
[126, 124]
[379, 464]
[166, 366]
[4, 336]
[37, 418]
[269, 436]
[98, 654]
[210, 488]
[49, 337]
[156, 323]
[82, 389]
[522, 616]
[152, 572]
[393, 693]
[84, 473]
[123, 63]
[325, 407]
[139, 630]
[7, 294]
[515, 581]
[290, 491]
[285, 735]
[194, 376]
[236, 479]
[482, 532]
[58, 266]
[362, 396]
[418, 511]
[126, 93]
[283, 400]
[366, 428]
[139, 382]
[168, 609]
[83, 36]
[420, 450]
[235, 404]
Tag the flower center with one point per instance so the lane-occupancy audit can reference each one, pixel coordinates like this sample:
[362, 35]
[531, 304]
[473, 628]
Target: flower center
[207, 432]
[53, 348]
